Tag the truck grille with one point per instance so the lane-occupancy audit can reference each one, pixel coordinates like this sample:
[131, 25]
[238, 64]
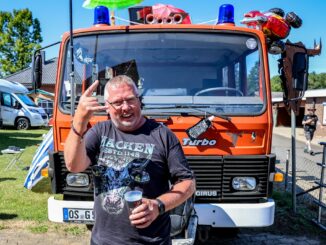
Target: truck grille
[214, 176]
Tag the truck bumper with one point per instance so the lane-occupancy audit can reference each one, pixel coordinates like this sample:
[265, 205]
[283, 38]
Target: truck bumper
[236, 215]
[55, 208]
[215, 215]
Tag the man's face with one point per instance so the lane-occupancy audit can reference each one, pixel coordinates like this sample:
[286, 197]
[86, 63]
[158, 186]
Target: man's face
[124, 108]
[311, 111]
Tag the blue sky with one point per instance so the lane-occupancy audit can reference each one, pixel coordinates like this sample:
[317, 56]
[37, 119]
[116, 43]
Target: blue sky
[54, 18]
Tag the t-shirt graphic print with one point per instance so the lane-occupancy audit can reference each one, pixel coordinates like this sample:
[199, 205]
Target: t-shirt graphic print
[121, 164]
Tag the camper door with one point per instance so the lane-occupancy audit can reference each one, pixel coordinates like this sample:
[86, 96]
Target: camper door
[10, 108]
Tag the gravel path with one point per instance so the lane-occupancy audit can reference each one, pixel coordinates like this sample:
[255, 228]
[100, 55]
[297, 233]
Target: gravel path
[22, 237]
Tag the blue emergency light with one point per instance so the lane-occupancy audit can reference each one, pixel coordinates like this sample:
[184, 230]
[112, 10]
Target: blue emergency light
[101, 15]
[226, 14]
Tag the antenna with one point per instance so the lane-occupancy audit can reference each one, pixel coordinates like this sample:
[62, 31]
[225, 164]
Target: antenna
[72, 70]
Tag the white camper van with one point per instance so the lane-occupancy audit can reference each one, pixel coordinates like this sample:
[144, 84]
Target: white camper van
[17, 109]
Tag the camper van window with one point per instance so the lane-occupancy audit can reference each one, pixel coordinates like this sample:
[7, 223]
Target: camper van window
[6, 99]
[26, 100]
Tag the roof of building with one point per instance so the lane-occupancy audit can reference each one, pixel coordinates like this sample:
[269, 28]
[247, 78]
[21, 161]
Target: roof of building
[25, 76]
[314, 93]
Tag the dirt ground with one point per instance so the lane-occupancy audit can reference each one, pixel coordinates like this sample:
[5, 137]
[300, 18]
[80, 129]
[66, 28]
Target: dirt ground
[32, 233]
[21, 237]
[20, 233]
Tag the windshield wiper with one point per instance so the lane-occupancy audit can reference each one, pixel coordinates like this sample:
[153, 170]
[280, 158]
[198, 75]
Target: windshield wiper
[193, 107]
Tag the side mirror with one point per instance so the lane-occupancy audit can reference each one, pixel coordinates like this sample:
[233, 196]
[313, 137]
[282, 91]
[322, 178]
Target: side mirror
[17, 105]
[300, 71]
[37, 70]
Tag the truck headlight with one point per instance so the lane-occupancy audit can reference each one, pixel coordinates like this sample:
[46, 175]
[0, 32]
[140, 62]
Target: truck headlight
[244, 183]
[77, 179]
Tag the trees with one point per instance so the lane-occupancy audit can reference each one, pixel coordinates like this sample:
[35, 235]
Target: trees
[315, 81]
[276, 84]
[20, 35]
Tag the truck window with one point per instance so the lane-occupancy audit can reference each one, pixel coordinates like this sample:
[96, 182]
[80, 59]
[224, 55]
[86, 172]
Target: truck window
[219, 71]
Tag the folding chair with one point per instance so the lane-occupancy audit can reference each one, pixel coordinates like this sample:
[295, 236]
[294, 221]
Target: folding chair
[16, 153]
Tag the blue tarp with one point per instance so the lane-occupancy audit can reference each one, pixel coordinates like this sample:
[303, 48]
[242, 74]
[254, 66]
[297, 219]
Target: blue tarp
[40, 161]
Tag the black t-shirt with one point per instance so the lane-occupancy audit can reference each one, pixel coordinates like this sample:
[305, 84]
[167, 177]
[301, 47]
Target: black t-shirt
[311, 126]
[151, 155]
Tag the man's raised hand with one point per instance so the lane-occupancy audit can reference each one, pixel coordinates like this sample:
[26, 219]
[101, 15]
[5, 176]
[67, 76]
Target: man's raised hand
[88, 104]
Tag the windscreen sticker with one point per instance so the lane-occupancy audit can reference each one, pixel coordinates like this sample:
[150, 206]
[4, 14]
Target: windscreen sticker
[251, 43]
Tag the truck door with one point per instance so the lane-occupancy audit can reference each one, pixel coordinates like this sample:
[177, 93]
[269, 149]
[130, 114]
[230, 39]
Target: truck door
[8, 111]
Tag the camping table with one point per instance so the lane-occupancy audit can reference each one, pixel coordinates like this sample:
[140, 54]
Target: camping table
[15, 160]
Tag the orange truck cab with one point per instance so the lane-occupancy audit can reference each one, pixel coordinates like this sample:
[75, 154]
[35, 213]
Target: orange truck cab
[209, 84]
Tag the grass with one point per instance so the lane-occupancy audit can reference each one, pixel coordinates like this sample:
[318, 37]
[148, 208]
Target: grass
[18, 202]
[288, 223]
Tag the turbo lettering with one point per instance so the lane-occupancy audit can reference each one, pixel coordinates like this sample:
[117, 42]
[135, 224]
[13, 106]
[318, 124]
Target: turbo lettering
[203, 142]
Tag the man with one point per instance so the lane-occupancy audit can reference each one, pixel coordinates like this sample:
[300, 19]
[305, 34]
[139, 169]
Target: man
[309, 123]
[128, 151]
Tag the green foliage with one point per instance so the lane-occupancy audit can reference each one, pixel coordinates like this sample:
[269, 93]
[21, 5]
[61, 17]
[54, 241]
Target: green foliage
[315, 81]
[253, 78]
[276, 84]
[20, 36]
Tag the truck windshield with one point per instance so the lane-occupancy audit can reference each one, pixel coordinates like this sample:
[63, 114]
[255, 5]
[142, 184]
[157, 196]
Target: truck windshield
[220, 72]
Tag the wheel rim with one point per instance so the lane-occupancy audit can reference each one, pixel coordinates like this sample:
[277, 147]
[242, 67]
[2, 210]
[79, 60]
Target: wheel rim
[22, 124]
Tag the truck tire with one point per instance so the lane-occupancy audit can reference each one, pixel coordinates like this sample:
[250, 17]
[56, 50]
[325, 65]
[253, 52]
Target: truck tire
[277, 11]
[23, 123]
[293, 19]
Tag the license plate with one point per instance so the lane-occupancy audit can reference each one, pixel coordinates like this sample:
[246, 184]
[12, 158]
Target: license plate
[77, 215]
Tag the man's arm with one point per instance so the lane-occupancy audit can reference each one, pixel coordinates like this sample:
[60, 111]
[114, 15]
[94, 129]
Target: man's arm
[179, 193]
[145, 214]
[75, 155]
[306, 121]
[76, 158]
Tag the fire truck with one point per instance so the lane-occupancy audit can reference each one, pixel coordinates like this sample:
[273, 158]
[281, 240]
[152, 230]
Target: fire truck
[210, 84]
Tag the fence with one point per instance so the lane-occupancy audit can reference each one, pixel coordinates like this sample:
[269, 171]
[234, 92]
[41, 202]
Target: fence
[309, 177]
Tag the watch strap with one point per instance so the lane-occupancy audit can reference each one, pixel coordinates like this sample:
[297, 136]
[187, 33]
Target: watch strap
[161, 206]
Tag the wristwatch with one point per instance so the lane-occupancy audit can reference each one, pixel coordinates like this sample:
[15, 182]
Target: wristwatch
[161, 206]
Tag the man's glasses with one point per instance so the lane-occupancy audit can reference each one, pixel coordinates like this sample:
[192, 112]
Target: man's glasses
[118, 104]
